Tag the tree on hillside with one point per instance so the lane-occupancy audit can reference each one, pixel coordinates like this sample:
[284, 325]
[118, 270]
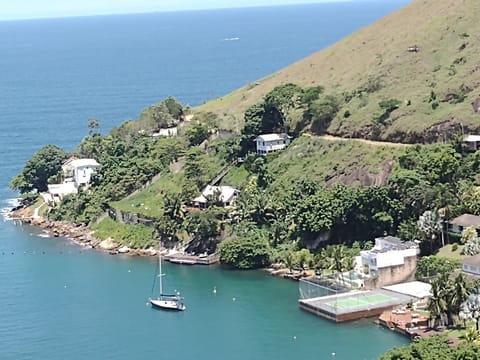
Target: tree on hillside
[311, 94]
[430, 225]
[253, 127]
[166, 230]
[322, 112]
[337, 258]
[277, 103]
[173, 207]
[437, 304]
[468, 234]
[44, 164]
[459, 294]
[174, 107]
[470, 309]
[470, 198]
[245, 253]
[157, 116]
[196, 134]
[204, 228]
[410, 188]
[93, 124]
[433, 348]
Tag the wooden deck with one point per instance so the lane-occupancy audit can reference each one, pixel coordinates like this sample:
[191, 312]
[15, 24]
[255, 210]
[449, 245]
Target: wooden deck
[403, 321]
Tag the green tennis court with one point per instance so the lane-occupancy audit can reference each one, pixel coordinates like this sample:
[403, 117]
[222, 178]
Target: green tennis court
[360, 301]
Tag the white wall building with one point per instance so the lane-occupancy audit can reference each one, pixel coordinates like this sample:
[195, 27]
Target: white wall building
[226, 194]
[268, 143]
[388, 251]
[80, 170]
[77, 173]
[471, 265]
[166, 132]
[472, 142]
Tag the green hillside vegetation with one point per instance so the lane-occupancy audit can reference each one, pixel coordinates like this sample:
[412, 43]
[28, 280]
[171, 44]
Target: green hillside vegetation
[430, 87]
[319, 191]
[320, 198]
[329, 162]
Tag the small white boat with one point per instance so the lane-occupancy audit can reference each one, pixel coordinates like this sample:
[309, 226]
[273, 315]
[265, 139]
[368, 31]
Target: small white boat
[169, 302]
[165, 301]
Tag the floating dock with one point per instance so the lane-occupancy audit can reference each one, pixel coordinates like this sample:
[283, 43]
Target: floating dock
[353, 305]
[185, 259]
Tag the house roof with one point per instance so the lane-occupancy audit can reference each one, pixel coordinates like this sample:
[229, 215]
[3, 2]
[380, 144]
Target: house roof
[416, 289]
[393, 243]
[272, 137]
[69, 160]
[467, 220]
[62, 189]
[472, 260]
[226, 193]
[84, 162]
[471, 138]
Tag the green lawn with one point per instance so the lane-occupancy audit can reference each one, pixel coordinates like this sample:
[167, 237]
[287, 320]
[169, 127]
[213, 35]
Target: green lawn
[149, 202]
[448, 252]
[134, 236]
[236, 177]
[350, 162]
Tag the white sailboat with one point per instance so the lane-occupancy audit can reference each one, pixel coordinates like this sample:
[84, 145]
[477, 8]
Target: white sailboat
[166, 301]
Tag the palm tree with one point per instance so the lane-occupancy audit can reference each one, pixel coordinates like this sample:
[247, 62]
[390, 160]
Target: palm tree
[278, 232]
[336, 258]
[166, 229]
[262, 210]
[437, 306]
[459, 295]
[173, 208]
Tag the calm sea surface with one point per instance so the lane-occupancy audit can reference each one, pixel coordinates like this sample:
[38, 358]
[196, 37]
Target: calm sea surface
[59, 301]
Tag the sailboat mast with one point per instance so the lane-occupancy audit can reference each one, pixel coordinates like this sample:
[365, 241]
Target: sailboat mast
[160, 266]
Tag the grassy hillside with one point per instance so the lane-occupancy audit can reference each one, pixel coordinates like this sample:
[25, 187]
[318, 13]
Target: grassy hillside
[435, 85]
[331, 161]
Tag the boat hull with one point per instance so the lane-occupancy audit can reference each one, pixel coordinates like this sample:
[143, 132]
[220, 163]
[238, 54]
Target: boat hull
[168, 304]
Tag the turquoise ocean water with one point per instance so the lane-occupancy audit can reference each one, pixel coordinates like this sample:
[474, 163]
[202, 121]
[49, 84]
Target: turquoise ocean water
[59, 301]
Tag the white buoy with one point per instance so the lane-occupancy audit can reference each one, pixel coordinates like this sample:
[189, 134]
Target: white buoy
[129, 270]
[233, 299]
[65, 286]
[294, 337]
[214, 289]
[333, 354]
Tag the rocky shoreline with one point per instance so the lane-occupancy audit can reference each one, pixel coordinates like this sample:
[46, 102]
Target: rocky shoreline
[83, 236]
[77, 233]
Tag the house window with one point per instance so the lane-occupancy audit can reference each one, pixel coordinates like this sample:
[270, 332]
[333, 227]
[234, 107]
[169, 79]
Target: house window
[263, 143]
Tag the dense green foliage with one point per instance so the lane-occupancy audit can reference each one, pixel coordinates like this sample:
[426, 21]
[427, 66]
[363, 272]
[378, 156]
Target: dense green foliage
[431, 266]
[134, 236]
[245, 253]
[434, 348]
[164, 114]
[44, 164]
[428, 185]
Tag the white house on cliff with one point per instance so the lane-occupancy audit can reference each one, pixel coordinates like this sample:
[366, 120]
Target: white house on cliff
[268, 143]
[80, 170]
[77, 173]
